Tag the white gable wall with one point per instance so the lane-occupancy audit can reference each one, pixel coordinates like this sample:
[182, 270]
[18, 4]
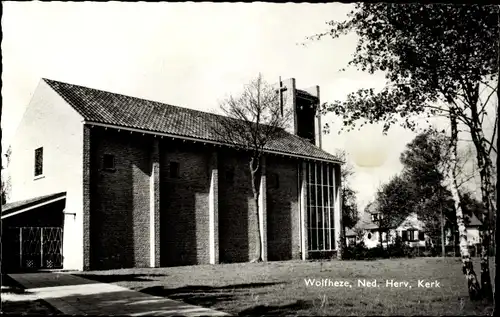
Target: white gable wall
[51, 123]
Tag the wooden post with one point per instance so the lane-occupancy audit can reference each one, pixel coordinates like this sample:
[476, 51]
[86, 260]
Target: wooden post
[20, 247]
[41, 247]
[60, 237]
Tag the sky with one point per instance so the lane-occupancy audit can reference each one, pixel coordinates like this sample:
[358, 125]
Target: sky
[192, 55]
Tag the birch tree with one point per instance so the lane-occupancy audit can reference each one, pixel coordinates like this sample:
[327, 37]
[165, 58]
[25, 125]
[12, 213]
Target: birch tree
[439, 60]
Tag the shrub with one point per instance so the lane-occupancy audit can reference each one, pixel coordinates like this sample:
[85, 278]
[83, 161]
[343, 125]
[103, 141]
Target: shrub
[396, 250]
[355, 252]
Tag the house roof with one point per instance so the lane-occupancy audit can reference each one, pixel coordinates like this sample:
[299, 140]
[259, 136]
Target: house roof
[117, 110]
[472, 221]
[365, 221]
[350, 233]
[16, 207]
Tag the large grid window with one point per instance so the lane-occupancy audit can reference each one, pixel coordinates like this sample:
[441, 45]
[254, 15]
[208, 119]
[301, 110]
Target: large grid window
[320, 206]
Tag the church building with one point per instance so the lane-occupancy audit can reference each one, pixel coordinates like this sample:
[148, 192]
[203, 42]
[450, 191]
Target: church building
[102, 180]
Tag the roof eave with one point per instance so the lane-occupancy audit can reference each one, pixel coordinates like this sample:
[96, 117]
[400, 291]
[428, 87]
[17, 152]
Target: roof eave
[37, 204]
[182, 137]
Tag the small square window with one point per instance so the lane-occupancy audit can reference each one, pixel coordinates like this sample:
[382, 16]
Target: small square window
[108, 162]
[375, 217]
[230, 176]
[39, 162]
[174, 170]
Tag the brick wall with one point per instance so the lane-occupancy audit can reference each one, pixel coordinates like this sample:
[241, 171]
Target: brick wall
[283, 215]
[184, 211]
[237, 219]
[119, 215]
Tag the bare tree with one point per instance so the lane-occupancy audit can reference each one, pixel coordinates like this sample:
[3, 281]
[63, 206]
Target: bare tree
[350, 212]
[252, 120]
[5, 184]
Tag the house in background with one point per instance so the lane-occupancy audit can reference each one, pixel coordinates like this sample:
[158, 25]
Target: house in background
[102, 180]
[409, 228]
[473, 225]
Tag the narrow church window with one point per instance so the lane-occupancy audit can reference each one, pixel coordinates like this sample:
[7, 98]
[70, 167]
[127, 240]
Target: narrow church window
[274, 181]
[108, 162]
[230, 176]
[174, 169]
[39, 161]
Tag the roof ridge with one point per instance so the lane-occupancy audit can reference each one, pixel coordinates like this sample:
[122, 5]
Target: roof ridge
[124, 95]
[118, 109]
[158, 102]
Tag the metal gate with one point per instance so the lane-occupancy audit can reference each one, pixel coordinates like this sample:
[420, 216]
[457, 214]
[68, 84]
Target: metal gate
[35, 247]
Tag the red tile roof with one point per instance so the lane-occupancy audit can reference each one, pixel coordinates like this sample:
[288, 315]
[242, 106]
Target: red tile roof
[118, 110]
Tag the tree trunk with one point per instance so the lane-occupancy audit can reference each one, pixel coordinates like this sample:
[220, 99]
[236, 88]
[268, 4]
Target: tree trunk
[489, 205]
[254, 167]
[342, 243]
[454, 245]
[487, 192]
[380, 238]
[443, 250]
[467, 266]
[498, 102]
[485, 167]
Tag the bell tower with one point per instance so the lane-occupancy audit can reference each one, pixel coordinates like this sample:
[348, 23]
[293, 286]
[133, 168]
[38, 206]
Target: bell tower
[304, 104]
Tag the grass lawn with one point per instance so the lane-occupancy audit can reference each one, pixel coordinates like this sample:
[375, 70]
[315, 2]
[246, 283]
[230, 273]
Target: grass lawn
[22, 307]
[279, 288]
